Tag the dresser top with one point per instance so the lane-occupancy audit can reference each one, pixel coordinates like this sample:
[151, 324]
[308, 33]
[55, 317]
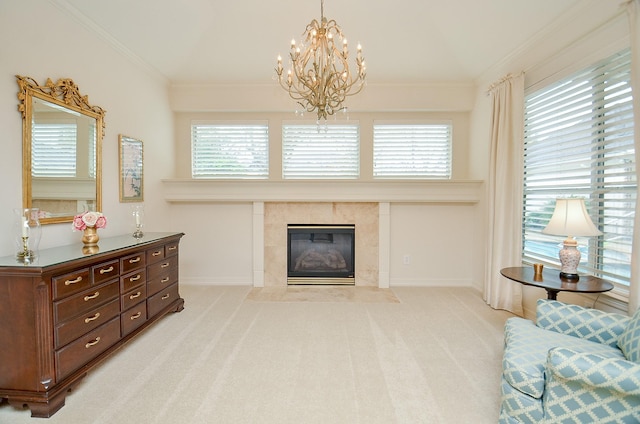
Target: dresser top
[62, 254]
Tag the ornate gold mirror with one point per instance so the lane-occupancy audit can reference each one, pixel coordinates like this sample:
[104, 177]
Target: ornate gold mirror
[61, 149]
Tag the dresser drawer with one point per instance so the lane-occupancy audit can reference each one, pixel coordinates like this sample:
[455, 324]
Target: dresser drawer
[171, 249]
[136, 295]
[87, 347]
[133, 318]
[105, 271]
[162, 299]
[155, 255]
[160, 283]
[85, 301]
[163, 267]
[76, 327]
[132, 262]
[67, 284]
[132, 280]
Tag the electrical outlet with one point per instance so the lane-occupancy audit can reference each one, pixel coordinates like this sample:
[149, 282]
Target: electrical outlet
[406, 259]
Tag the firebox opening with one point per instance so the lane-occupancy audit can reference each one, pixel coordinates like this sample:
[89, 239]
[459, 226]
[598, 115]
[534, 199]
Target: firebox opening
[320, 254]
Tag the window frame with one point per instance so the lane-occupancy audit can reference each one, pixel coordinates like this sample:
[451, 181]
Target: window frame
[262, 168]
[426, 149]
[610, 181]
[335, 161]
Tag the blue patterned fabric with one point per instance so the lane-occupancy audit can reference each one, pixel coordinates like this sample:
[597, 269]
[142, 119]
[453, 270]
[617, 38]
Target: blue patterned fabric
[584, 387]
[629, 341]
[526, 349]
[519, 407]
[569, 369]
[573, 320]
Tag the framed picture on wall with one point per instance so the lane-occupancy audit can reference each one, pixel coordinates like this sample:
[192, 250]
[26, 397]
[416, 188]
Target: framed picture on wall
[130, 155]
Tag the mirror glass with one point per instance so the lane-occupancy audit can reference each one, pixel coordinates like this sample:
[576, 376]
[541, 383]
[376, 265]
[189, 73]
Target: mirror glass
[62, 138]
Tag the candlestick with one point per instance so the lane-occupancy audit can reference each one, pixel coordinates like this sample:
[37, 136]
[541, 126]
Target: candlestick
[27, 233]
[138, 215]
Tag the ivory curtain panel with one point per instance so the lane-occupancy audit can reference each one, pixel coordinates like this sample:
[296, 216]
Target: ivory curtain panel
[504, 227]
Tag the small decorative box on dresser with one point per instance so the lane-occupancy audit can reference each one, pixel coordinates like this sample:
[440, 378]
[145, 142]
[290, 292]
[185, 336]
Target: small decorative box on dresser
[66, 312]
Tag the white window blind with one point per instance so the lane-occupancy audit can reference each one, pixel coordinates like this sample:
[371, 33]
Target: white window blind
[412, 151]
[321, 151]
[53, 149]
[579, 142]
[229, 150]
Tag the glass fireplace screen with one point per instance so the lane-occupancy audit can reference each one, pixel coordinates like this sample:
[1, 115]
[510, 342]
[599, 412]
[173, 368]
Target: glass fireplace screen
[320, 254]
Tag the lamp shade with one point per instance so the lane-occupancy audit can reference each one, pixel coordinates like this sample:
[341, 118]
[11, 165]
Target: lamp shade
[570, 218]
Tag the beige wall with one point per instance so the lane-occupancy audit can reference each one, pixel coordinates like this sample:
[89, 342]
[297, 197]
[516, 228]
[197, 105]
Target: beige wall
[445, 241]
[459, 119]
[41, 41]
[567, 46]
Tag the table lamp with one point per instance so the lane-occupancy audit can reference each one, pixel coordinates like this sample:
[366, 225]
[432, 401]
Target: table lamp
[570, 218]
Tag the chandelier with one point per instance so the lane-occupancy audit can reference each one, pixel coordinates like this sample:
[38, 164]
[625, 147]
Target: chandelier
[320, 78]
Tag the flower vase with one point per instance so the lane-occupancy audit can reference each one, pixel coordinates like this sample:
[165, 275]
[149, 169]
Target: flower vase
[90, 236]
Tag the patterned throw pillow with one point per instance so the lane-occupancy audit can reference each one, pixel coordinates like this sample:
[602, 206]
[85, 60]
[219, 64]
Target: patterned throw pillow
[629, 341]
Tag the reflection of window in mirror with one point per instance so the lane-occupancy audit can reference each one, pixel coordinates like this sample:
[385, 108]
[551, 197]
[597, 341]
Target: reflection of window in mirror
[63, 160]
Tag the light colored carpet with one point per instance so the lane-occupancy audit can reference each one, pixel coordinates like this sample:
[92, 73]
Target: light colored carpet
[322, 294]
[434, 357]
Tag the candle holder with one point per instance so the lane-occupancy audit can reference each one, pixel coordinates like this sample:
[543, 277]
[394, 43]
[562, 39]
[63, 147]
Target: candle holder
[27, 232]
[138, 215]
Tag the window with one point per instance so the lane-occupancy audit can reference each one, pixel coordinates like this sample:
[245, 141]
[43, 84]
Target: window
[579, 142]
[321, 151]
[53, 151]
[412, 151]
[229, 150]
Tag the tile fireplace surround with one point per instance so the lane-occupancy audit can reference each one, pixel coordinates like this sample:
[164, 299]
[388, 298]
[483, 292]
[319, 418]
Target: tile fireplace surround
[366, 204]
[363, 215]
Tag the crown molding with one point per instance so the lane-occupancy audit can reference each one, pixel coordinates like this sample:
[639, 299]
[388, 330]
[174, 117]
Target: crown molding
[101, 33]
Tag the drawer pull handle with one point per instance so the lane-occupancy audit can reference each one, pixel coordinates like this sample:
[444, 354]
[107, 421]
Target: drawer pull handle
[136, 316]
[91, 296]
[172, 247]
[133, 296]
[164, 280]
[93, 318]
[92, 343]
[166, 296]
[136, 278]
[69, 282]
[106, 270]
[157, 253]
[164, 265]
[134, 260]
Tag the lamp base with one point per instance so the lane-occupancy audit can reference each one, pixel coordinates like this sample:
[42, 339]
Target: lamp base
[569, 259]
[569, 276]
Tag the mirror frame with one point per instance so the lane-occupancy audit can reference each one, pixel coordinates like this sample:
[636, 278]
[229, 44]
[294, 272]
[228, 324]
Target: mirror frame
[66, 94]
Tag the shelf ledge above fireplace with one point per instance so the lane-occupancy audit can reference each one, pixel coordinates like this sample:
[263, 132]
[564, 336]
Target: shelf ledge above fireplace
[408, 191]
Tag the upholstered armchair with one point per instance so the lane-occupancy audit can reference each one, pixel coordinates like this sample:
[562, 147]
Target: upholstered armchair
[574, 365]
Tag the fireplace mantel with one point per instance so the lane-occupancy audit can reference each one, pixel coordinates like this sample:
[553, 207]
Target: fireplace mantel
[410, 191]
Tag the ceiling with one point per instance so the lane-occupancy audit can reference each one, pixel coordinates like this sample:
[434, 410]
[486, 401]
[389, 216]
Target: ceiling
[404, 41]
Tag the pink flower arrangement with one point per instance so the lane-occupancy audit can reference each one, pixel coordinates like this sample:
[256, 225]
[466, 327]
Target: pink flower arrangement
[89, 219]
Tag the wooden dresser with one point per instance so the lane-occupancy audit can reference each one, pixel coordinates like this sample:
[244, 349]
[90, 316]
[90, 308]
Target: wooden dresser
[66, 312]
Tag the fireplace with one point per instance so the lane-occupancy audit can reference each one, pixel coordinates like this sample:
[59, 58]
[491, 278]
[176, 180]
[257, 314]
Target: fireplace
[320, 254]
